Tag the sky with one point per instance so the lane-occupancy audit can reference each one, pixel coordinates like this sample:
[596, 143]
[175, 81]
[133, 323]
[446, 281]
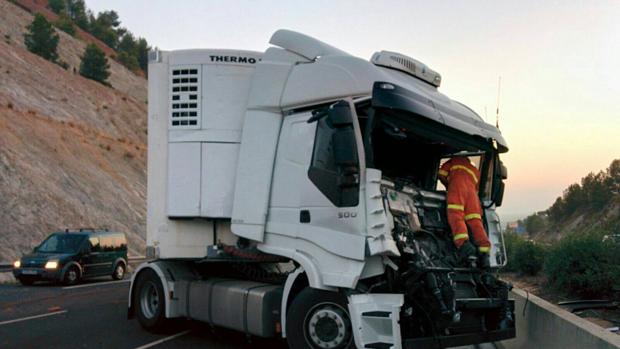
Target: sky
[559, 63]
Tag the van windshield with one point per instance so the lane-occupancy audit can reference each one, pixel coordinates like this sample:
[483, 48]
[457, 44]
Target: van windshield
[61, 243]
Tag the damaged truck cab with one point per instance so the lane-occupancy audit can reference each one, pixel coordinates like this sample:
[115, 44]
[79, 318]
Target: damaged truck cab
[295, 193]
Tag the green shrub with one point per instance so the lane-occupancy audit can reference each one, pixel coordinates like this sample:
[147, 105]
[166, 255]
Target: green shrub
[511, 241]
[130, 62]
[584, 265]
[529, 258]
[524, 257]
[65, 24]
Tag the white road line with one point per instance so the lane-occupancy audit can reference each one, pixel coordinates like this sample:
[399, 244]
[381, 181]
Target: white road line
[32, 317]
[159, 341]
[96, 284]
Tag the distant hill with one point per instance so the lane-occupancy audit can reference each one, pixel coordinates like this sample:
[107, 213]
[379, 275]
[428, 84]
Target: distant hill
[590, 206]
[72, 151]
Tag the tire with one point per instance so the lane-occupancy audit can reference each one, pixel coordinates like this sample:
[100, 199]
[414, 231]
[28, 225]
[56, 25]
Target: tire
[149, 302]
[72, 276]
[319, 319]
[26, 282]
[119, 271]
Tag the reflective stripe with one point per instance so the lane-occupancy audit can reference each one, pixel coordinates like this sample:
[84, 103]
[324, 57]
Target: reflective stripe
[443, 173]
[456, 207]
[460, 236]
[472, 216]
[484, 249]
[461, 167]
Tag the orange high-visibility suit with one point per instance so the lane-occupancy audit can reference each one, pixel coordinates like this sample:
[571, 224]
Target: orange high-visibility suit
[464, 209]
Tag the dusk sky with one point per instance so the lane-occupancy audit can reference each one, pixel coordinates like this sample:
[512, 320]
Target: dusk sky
[559, 62]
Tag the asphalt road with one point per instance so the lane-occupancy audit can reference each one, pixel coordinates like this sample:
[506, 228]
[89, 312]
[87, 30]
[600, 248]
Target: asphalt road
[94, 315]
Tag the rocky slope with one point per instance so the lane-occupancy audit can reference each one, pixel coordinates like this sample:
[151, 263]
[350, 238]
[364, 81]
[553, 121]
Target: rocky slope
[72, 151]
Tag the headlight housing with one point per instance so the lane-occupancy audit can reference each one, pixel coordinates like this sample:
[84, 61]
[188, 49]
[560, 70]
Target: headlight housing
[51, 265]
[17, 264]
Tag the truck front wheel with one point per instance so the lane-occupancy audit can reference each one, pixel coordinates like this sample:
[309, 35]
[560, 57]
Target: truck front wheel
[319, 320]
[149, 302]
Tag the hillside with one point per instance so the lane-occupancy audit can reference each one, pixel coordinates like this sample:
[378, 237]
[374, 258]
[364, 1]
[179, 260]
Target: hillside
[72, 151]
[590, 206]
[584, 220]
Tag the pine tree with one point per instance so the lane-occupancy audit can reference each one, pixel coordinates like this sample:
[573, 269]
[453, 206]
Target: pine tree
[94, 64]
[57, 6]
[65, 24]
[41, 38]
[143, 54]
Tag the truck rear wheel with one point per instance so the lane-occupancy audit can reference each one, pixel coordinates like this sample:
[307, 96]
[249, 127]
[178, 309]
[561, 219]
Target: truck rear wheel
[149, 302]
[319, 320]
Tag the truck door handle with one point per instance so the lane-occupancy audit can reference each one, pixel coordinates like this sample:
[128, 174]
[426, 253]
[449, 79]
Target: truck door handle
[304, 216]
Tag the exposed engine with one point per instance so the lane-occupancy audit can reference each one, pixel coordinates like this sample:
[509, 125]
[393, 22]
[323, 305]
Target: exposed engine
[445, 297]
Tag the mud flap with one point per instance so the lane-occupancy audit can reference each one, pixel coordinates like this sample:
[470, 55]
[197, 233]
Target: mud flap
[375, 320]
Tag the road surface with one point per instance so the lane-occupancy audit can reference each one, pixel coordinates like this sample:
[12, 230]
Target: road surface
[94, 315]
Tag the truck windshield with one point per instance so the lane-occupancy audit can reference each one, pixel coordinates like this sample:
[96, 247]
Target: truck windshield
[406, 149]
[61, 243]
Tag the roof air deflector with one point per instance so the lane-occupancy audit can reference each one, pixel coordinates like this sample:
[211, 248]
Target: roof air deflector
[304, 45]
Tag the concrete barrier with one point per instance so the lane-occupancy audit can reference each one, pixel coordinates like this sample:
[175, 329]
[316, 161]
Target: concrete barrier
[541, 324]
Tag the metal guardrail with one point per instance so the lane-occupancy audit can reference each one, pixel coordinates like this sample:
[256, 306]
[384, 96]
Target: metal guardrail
[8, 267]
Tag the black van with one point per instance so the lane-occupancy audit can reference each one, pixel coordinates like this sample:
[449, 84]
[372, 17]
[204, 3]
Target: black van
[72, 255]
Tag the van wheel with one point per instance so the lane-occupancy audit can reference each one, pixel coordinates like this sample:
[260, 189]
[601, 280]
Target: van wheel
[119, 271]
[149, 302]
[319, 320]
[72, 276]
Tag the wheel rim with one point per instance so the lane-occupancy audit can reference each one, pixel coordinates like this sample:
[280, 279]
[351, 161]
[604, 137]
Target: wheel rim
[120, 271]
[72, 275]
[328, 326]
[149, 300]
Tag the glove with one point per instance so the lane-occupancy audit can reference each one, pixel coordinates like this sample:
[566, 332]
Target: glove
[467, 250]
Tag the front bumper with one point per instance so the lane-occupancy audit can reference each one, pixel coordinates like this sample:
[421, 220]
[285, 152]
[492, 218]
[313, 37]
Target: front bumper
[458, 340]
[485, 311]
[37, 273]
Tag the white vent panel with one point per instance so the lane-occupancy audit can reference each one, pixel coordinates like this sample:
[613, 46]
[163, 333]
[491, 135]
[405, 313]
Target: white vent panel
[185, 97]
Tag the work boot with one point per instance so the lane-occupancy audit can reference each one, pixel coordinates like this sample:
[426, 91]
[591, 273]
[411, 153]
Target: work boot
[466, 251]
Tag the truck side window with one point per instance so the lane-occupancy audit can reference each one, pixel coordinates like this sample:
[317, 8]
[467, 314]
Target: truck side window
[324, 171]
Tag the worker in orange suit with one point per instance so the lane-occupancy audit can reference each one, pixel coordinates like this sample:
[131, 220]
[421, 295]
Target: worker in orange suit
[461, 178]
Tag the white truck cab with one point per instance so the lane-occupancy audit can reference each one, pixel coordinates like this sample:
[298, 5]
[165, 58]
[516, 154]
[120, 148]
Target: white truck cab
[294, 193]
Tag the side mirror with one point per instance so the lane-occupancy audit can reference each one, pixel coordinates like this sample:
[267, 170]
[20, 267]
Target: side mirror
[339, 114]
[503, 171]
[499, 175]
[345, 151]
[499, 195]
[344, 144]
[35, 249]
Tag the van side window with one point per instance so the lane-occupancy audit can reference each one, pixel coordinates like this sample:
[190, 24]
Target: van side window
[107, 243]
[94, 244]
[120, 242]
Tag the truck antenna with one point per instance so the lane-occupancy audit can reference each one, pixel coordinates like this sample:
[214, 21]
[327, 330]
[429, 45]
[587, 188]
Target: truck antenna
[499, 86]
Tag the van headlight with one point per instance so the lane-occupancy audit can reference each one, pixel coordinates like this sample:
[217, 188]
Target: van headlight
[17, 264]
[51, 265]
